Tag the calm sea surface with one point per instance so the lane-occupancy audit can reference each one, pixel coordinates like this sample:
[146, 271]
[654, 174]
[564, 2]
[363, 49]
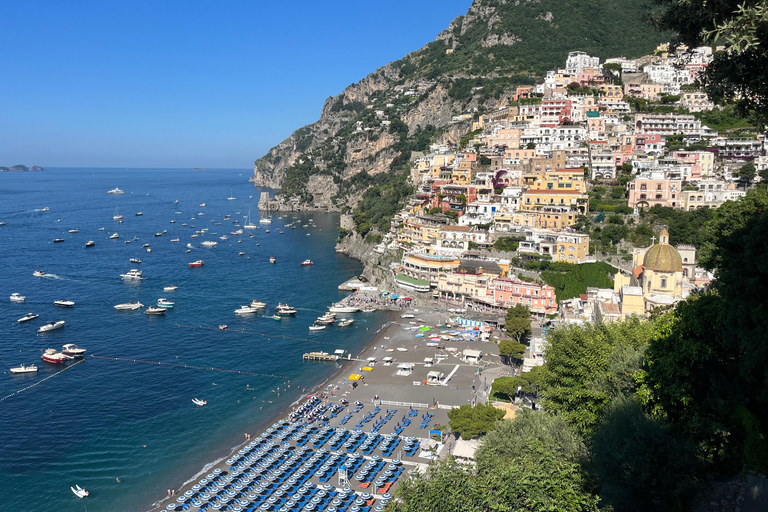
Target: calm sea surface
[106, 419]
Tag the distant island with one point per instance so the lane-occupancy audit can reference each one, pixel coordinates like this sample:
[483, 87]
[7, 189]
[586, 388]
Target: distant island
[21, 168]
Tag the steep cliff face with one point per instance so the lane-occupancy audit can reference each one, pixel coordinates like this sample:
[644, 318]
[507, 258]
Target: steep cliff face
[365, 135]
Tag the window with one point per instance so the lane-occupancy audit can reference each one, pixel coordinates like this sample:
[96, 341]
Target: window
[570, 257]
[663, 282]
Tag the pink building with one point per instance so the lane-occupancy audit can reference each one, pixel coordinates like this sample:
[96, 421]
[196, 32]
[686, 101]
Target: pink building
[654, 187]
[540, 298]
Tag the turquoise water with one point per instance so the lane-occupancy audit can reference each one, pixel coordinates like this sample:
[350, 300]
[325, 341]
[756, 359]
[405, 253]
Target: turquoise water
[105, 419]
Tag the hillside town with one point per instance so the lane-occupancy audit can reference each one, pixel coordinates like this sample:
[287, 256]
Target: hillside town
[524, 177]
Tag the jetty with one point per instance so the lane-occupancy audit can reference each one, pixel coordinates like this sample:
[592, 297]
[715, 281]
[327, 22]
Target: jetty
[324, 356]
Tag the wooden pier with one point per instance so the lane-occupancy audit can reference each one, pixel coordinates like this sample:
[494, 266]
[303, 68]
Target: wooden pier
[320, 356]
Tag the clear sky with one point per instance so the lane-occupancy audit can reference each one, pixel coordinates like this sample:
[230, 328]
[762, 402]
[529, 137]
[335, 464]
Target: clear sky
[187, 84]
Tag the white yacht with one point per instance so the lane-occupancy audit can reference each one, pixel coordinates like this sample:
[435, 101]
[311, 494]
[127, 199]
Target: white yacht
[255, 303]
[174, 240]
[209, 243]
[51, 326]
[249, 224]
[115, 191]
[15, 297]
[171, 288]
[246, 310]
[265, 220]
[90, 243]
[71, 349]
[345, 322]
[117, 215]
[64, 303]
[24, 369]
[341, 308]
[129, 306]
[285, 309]
[74, 231]
[155, 310]
[114, 236]
[132, 275]
[325, 319]
[316, 327]
[38, 273]
[27, 317]
[165, 303]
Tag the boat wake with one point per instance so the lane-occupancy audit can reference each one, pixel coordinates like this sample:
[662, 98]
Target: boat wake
[53, 276]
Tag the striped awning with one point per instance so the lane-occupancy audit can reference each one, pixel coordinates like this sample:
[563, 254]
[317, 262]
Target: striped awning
[471, 323]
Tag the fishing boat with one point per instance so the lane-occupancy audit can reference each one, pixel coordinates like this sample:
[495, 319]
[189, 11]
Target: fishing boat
[79, 491]
[165, 303]
[24, 369]
[15, 297]
[155, 310]
[132, 275]
[285, 309]
[345, 322]
[197, 263]
[199, 402]
[115, 191]
[27, 317]
[114, 236]
[171, 288]
[316, 327]
[246, 310]
[90, 243]
[341, 308]
[117, 215]
[73, 350]
[52, 356]
[306, 263]
[58, 240]
[135, 260]
[129, 306]
[64, 303]
[272, 259]
[51, 326]
[255, 303]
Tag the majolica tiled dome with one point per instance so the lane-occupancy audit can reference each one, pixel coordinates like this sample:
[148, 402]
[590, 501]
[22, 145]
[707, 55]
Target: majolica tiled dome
[662, 257]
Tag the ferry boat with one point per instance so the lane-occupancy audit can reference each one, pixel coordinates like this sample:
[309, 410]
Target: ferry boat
[15, 297]
[90, 243]
[64, 303]
[27, 317]
[132, 275]
[71, 349]
[341, 308]
[115, 191]
[129, 306]
[155, 310]
[306, 263]
[24, 369]
[255, 303]
[285, 309]
[197, 263]
[165, 303]
[51, 356]
[272, 259]
[51, 326]
[246, 310]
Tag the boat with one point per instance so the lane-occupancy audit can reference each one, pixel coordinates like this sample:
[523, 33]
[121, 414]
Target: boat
[171, 288]
[46, 209]
[132, 275]
[285, 309]
[27, 317]
[341, 308]
[369, 310]
[223, 327]
[158, 234]
[197, 263]
[265, 220]
[135, 260]
[345, 322]
[90, 243]
[58, 240]
[74, 230]
[325, 319]
[79, 491]
[139, 214]
[231, 196]
[129, 306]
[114, 236]
[116, 191]
[272, 259]
[51, 356]
[202, 204]
[24, 369]
[238, 232]
[249, 224]
[276, 317]
[255, 303]
[407, 315]
[246, 310]
[117, 215]
[51, 326]
[174, 240]
[209, 243]
[267, 231]
[71, 349]
[165, 303]
[306, 263]
[15, 297]
[241, 253]
[199, 402]
[145, 245]
[223, 237]
[64, 303]
[155, 310]
[316, 327]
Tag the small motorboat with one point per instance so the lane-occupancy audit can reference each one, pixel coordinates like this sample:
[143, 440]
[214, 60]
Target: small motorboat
[325, 319]
[265, 220]
[267, 231]
[174, 240]
[316, 327]
[272, 259]
[58, 240]
[24, 369]
[165, 303]
[132, 275]
[129, 306]
[197, 263]
[27, 317]
[74, 231]
[369, 310]
[155, 310]
[135, 260]
[114, 236]
[90, 243]
[172, 288]
[51, 326]
[38, 273]
[72, 350]
[145, 245]
[116, 191]
[158, 234]
[345, 322]
[223, 327]
[209, 243]
[51, 356]
[199, 402]
[15, 297]
[306, 263]
[246, 310]
[276, 317]
[139, 214]
[79, 491]
[241, 253]
[255, 303]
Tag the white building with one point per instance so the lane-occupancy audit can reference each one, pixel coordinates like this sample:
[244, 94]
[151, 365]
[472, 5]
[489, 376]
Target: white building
[577, 61]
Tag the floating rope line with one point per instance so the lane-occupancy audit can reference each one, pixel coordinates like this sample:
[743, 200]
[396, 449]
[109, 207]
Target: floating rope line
[241, 331]
[160, 363]
[42, 380]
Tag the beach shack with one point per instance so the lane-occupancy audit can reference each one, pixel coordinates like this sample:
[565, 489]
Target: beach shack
[404, 369]
[387, 361]
[428, 362]
[435, 378]
[472, 356]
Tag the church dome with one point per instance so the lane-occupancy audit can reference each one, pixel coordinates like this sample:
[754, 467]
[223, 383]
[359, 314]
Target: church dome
[662, 257]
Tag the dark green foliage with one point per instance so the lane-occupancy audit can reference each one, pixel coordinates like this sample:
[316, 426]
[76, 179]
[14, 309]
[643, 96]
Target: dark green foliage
[518, 322]
[684, 227]
[511, 350]
[469, 422]
[570, 280]
[504, 388]
[724, 119]
[381, 202]
[508, 243]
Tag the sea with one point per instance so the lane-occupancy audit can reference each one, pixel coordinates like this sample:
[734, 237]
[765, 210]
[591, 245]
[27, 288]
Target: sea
[121, 423]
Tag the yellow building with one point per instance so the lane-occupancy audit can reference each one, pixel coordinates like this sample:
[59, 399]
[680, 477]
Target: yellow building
[427, 267]
[537, 200]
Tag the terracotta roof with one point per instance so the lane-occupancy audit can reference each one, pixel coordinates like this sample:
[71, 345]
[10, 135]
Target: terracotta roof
[637, 271]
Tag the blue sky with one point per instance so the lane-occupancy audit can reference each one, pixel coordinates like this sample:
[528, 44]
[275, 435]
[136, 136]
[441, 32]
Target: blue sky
[187, 84]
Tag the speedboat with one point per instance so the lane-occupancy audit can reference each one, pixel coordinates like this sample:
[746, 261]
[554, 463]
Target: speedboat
[15, 297]
[325, 319]
[345, 322]
[129, 306]
[316, 327]
[246, 310]
[115, 191]
[272, 259]
[135, 260]
[51, 356]
[198, 263]
[114, 236]
[72, 350]
[155, 310]
[64, 303]
[74, 231]
[24, 369]
[255, 303]
[79, 491]
[199, 402]
[51, 326]
[285, 309]
[58, 240]
[90, 243]
[341, 308]
[132, 275]
[276, 317]
[171, 288]
[27, 317]
[165, 303]
[306, 263]
[209, 243]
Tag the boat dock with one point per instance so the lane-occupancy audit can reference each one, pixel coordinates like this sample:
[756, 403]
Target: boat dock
[324, 356]
[353, 285]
